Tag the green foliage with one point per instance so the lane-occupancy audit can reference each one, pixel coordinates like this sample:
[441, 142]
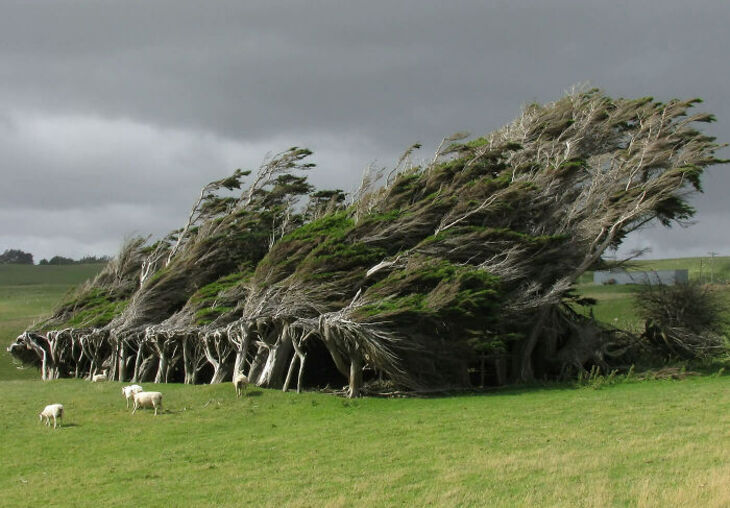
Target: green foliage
[211, 301]
[484, 234]
[437, 290]
[335, 255]
[330, 226]
[209, 314]
[289, 252]
[388, 216]
[91, 308]
[211, 291]
[408, 303]
[97, 315]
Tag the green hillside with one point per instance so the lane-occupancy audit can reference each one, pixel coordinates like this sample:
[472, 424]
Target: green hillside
[700, 268]
[53, 275]
[28, 292]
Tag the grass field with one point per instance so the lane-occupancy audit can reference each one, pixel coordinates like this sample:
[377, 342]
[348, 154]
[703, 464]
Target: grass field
[652, 443]
[633, 443]
[66, 276]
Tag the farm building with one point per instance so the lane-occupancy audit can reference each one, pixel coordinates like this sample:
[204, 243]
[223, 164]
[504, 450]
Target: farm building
[667, 277]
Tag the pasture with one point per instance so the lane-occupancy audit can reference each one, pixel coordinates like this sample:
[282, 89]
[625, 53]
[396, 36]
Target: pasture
[652, 443]
[627, 443]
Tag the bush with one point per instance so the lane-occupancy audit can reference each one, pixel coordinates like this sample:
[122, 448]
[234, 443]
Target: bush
[682, 321]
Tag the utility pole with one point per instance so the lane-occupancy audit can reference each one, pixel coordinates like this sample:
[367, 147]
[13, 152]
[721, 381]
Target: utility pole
[701, 260]
[712, 259]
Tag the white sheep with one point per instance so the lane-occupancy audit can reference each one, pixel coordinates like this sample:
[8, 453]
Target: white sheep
[52, 410]
[129, 391]
[99, 377]
[240, 382]
[147, 399]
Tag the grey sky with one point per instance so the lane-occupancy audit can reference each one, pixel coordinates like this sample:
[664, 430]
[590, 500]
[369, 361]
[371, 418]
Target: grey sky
[113, 114]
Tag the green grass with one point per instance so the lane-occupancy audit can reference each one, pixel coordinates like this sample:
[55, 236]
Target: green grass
[651, 443]
[27, 293]
[615, 304]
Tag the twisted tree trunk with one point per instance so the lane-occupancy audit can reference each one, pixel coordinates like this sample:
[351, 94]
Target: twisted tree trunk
[217, 350]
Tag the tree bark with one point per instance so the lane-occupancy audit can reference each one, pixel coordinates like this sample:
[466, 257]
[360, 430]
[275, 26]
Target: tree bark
[355, 387]
[240, 343]
[217, 352]
[526, 371]
[273, 372]
[299, 357]
[122, 365]
[137, 364]
[292, 365]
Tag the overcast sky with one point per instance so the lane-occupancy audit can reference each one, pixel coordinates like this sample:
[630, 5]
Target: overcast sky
[113, 114]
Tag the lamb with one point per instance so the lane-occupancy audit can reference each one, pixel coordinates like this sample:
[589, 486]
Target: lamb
[147, 399]
[129, 391]
[240, 382]
[52, 410]
[99, 377]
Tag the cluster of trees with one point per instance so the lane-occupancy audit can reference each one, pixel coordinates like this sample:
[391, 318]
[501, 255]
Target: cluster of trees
[19, 257]
[60, 260]
[424, 274]
[16, 257]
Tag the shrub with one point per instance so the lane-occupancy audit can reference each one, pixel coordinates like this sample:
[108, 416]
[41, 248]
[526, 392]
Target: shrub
[682, 321]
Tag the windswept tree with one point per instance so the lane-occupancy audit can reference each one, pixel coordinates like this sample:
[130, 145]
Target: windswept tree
[421, 274]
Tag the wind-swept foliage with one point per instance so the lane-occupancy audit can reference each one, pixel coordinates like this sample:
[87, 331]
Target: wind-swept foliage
[684, 321]
[422, 274]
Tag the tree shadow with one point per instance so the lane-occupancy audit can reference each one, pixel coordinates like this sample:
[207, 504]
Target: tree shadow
[487, 391]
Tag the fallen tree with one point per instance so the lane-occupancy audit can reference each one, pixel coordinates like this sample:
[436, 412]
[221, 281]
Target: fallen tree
[412, 281]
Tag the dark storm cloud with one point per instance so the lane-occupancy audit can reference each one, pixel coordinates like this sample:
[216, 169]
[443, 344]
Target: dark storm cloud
[134, 104]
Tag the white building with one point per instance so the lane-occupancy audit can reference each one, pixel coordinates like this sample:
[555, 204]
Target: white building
[666, 277]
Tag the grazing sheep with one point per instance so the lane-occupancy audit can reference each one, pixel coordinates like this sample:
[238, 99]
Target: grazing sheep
[147, 399]
[52, 410]
[129, 391]
[240, 382]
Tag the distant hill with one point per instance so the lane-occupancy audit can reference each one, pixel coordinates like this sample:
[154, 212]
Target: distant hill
[700, 268]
